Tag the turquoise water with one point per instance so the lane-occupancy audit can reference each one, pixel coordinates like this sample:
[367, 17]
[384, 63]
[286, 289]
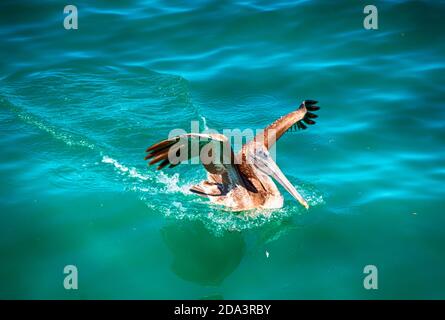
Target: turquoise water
[79, 107]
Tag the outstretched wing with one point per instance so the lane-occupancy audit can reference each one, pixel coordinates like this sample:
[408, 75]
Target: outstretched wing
[299, 118]
[214, 151]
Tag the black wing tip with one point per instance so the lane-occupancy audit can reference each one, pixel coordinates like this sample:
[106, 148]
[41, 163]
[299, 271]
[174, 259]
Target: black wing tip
[309, 102]
[307, 119]
[310, 105]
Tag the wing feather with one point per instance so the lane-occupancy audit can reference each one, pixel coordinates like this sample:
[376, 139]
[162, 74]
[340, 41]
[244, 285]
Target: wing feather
[177, 149]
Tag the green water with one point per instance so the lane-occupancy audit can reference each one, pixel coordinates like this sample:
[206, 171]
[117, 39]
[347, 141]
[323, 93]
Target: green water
[79, 107]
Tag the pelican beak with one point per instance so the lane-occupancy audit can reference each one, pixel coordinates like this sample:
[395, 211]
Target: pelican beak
[264, 162]
[280, 177]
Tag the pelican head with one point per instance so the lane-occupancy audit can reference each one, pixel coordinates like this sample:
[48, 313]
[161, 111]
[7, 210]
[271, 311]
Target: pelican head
[263, 162]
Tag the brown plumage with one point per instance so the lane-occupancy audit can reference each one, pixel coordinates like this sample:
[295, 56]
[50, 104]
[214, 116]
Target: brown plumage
[242, 181]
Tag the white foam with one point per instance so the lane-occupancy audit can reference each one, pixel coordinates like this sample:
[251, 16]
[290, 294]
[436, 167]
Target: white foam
[171, 183]
[107, 159]
[68, 139]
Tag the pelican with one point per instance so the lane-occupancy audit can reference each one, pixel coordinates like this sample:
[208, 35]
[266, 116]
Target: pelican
[241, 181]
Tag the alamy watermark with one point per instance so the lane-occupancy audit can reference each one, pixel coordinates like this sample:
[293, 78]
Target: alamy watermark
[211, 147]
[71, 20]
[371, 21]
[371, 279]
[70, 281]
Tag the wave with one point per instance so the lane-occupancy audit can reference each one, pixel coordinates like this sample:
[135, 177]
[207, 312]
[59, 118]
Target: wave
[156, 190]
[68, 138]
[167, 194]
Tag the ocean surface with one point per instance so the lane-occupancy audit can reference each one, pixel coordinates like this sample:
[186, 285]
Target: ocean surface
[79, 107]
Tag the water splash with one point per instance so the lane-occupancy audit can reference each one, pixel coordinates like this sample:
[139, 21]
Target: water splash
[170, 184]
[188, 206]
[132, 172]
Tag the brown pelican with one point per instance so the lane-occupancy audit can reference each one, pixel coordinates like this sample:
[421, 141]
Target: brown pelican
[239, 181]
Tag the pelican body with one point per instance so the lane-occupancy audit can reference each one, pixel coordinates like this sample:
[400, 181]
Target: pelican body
[241, 181]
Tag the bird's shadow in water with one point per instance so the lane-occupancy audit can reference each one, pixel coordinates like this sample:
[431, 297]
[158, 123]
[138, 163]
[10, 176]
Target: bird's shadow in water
[201, 257]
